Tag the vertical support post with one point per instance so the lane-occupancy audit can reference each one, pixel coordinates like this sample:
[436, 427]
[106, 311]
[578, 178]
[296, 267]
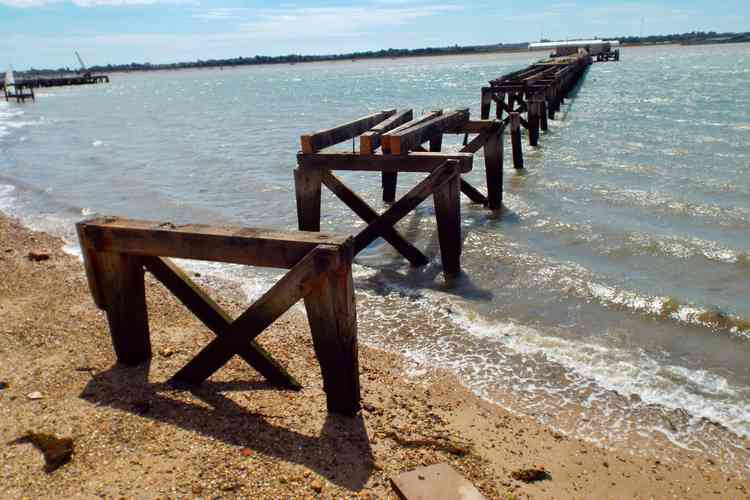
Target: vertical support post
[389, 180]
[533, 119]
[543, 115]
[493, 165]
[486, 102]
[120, 281]
[332, 314]
[515, 140]
[307, 184]
[436, 143]
[448, 215]
[499, 103]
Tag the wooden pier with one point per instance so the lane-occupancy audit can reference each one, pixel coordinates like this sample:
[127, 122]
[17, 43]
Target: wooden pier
[117, 252]
[65, 81]
[391, 142]
[530, 97]
[19, 91]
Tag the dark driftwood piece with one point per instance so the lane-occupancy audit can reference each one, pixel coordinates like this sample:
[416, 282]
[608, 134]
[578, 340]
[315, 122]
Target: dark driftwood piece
[117, 251]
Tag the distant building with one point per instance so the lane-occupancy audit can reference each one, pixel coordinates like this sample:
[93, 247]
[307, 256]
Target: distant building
[568, 47]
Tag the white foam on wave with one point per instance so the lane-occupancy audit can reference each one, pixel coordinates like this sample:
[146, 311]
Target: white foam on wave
[699, 392]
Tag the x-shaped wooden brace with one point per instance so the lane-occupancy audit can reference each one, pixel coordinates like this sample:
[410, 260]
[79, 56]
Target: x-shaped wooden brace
[443, 183]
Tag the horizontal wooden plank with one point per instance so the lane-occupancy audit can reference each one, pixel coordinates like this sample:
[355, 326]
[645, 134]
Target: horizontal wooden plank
[412, 162]
[403, 141]
[370, 140]
[328, 137]
[385, 139]
[473, 127]
[249, 246]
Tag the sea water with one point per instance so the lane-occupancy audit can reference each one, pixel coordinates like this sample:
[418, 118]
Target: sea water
[609, 299]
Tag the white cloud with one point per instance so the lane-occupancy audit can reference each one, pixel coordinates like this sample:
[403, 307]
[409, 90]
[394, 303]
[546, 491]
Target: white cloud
[220, 14]
[313, 22]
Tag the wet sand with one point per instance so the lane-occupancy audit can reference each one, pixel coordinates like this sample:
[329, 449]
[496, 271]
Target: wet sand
[238, 437]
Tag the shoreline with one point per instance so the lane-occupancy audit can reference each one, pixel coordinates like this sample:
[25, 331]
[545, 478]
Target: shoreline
[239, 437]
[493, 52]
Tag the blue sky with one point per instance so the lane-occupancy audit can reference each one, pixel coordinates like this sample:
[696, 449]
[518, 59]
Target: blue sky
[44, 33]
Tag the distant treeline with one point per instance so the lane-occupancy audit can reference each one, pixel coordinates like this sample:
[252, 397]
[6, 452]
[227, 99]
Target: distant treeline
[684, 38]
[293, 58]
[688, 38]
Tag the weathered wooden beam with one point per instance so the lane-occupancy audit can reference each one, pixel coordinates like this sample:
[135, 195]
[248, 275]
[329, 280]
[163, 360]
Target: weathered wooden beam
[473, 127]
[534, 118]
[370, 140]
[473, 193]
[515, 139]
[386, 138]
[325, 138]
[494, 127]
[332, 315]
[412, 162]
[120, 281]
[216, 319]
[401, 142]
[406, 204]
[307, 191]
[448, 216]
[368, 214]
[295, 284]
[493, 164]
[389, 180]
[486, 103]
[254, 247]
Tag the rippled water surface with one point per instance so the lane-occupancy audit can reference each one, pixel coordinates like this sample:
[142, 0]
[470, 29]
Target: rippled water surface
[617, 278]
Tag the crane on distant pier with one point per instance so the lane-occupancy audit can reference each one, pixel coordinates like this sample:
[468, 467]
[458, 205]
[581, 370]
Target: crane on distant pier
[83, 69]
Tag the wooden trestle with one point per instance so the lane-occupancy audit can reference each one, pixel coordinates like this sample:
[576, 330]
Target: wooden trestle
[536, 92]
[391, 142]
[116, 252]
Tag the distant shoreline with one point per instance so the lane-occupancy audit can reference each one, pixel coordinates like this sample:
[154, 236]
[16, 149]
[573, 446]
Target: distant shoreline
[292, 59]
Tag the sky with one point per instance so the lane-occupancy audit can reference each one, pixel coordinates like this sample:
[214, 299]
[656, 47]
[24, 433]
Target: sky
[45, 33]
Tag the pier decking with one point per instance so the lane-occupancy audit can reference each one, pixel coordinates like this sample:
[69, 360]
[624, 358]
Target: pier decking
[24, 89]
[536, 91]
[65, 81]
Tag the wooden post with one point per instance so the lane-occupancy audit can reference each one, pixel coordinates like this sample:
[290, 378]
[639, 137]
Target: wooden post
[390, 181]
[515, 140]
[533, 119]
[436, 143]
[493, 164]
[308, 184]
[543, 115]
[448, 215]
[499, 103]
[332, 314]
[121, 284]
[486, 102]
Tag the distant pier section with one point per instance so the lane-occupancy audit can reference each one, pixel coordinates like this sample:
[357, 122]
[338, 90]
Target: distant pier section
[599, 50]
[24, 88]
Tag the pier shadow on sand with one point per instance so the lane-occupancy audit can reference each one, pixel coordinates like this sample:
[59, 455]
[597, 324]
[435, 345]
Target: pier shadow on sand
[341, 452]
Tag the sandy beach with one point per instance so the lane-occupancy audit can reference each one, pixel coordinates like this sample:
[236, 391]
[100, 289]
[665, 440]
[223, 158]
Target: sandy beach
[238, 437]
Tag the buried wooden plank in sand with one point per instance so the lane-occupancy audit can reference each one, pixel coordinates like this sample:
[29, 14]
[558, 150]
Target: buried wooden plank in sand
[435, 482]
